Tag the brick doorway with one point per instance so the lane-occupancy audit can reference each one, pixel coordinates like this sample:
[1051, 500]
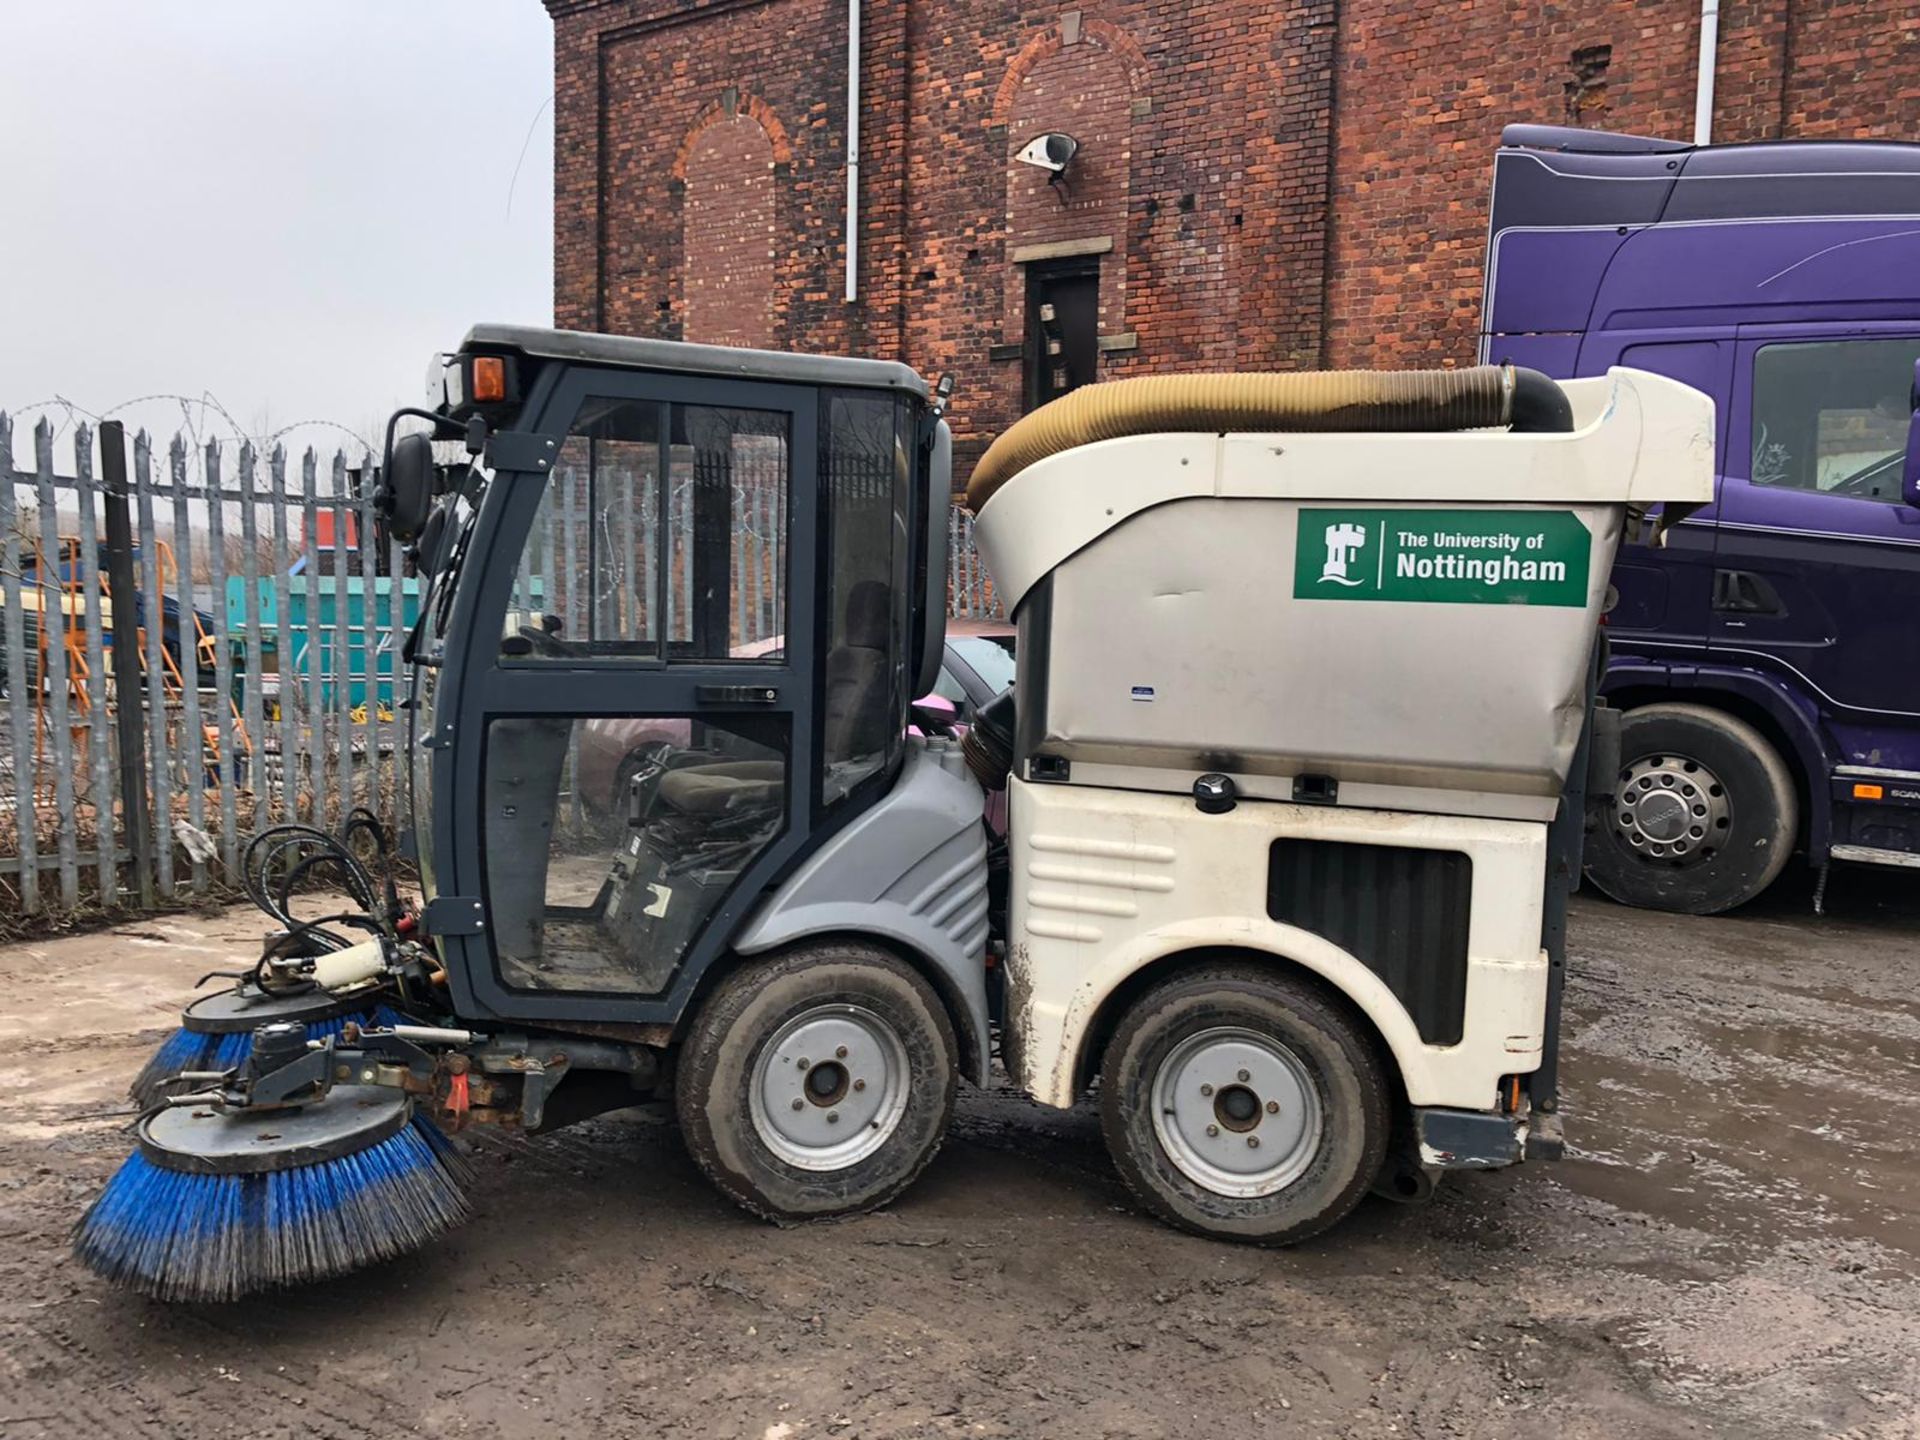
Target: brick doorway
[1063, 327]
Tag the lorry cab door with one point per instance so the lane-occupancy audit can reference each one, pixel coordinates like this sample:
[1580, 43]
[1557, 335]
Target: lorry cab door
[1817, 570]
[1663, 601]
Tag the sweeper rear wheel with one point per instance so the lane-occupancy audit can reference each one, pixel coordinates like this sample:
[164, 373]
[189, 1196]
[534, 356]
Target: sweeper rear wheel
[818, 1082]
[1243, 1104]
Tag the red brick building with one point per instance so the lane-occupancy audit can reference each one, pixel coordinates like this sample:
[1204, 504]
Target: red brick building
[1256, 184]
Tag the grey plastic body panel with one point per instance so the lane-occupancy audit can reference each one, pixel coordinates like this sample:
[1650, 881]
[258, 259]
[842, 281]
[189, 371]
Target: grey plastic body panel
[911, 871]
[678, 357]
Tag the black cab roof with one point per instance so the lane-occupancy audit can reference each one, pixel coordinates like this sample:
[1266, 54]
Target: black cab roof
[679, 357]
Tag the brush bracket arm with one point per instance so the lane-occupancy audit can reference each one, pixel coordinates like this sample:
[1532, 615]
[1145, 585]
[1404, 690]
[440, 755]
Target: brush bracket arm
[286, 1069]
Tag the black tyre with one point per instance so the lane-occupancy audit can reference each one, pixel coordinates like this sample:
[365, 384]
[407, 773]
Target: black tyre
[1244, 1104]
[818, 1082]
[1704, 813]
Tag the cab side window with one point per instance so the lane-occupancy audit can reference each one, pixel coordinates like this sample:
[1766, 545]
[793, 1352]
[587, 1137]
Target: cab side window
[1831, 415]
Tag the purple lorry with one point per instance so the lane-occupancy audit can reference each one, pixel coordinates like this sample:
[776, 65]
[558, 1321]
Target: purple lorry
[1768, 659]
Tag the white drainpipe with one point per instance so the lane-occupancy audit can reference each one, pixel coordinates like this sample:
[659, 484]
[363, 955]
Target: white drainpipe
[853, 149]
[1703, 88]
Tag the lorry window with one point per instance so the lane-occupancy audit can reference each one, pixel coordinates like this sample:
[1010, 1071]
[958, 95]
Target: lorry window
[1831, 415]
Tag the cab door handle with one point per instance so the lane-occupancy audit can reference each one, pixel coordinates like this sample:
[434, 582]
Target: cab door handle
[736, 694]
[1741, 592]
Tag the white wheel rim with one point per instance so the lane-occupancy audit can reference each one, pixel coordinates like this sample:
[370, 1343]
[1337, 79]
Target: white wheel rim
[1237, 1112]
[829, 1088]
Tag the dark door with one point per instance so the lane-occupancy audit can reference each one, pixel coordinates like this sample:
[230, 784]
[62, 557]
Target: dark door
[1665, 593]
[632, 751]
[1063, 328]
[1817, 565]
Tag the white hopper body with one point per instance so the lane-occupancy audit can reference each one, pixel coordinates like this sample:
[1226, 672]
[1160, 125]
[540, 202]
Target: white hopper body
[1410, 615]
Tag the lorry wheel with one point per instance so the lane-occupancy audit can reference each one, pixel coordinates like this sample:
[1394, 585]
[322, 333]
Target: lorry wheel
[1243, 1104]
[1703, 816]
[817, 1082]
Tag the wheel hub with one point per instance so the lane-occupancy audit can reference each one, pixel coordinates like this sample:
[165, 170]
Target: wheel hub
[1237, 1112]
[1672, 810]
[829, 1088]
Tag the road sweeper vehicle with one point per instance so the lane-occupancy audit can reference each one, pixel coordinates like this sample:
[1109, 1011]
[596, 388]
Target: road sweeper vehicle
[1293, 760]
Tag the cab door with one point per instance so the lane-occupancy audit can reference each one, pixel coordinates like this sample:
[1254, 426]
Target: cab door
[632, 749]
[1663, 602]
[1817, 565]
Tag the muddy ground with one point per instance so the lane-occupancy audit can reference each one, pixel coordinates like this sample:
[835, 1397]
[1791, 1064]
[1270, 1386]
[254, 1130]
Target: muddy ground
[1732, 1250]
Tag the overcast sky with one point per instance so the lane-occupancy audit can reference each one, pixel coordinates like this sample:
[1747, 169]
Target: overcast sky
[285, 204]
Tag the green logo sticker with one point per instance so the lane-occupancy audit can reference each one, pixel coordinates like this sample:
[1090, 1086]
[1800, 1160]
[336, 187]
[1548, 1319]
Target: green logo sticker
[1443, 557]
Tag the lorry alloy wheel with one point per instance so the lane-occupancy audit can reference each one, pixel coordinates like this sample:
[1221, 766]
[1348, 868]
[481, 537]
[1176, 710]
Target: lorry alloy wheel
[817, 1082]
[1703, 815]
[1244, 1103]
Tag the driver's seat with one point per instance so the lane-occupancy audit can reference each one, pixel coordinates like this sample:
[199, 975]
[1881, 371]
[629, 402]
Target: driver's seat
[728, 786]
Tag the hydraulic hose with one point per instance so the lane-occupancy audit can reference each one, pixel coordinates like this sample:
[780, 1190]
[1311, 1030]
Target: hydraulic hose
[1483, 397]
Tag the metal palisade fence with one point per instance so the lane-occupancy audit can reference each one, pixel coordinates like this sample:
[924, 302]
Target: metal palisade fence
[260, 680]
[970, 593]
[251, 676]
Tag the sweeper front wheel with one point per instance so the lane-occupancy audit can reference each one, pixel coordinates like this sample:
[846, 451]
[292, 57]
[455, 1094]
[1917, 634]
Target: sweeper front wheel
[818, 1082]
[1243, 1104]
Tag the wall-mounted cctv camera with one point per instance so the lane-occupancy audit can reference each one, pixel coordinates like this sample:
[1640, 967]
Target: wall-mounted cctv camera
[1050, 152]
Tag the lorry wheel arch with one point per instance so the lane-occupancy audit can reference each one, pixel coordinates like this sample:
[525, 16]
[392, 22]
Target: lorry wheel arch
[1749, 804]
[1792, 737]
[1106, 1018]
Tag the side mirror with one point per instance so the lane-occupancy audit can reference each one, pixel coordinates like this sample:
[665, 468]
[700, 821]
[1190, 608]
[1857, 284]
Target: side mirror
[405, 496]
[1910, 472]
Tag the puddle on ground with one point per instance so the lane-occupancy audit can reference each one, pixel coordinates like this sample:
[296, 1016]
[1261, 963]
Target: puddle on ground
[1801, 1134]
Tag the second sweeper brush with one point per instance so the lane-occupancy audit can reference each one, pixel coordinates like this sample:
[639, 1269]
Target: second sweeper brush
[216, 1031]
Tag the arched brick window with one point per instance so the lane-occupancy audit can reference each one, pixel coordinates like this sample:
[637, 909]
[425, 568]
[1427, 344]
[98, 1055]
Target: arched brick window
[728, 233]
[1066, 239]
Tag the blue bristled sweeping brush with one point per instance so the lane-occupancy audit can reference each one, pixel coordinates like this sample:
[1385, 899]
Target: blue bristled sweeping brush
[214, 1205]
[216, 1032]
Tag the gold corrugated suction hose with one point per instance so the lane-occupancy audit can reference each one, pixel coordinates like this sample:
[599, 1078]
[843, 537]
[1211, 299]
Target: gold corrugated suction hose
[1303, 400]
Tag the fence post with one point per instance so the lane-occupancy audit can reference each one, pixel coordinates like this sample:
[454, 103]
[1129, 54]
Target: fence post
[227, 725]
[127, 692]
[292, 703]
[342, 643]
[186, 629]
[99, 752]
[253, 702]
[159, 726]
[53, 636]
[313, 695]
[22, 679]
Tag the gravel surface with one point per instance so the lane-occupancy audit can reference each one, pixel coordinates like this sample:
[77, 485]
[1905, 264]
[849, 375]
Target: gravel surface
[1733, 1248]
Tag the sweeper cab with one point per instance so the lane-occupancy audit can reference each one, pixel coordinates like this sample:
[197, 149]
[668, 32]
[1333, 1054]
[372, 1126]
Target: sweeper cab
[1293, 770]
